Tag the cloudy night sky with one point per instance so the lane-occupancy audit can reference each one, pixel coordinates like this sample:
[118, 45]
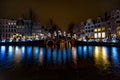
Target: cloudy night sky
[63, 12]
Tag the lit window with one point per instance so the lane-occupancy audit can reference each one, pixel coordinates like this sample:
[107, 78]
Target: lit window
[103, 34]
[103, 29]
[99, 35]
[8, 23]
[99, 29]
[95, 30]
[95, 35]
[11, 23]
[14, 23]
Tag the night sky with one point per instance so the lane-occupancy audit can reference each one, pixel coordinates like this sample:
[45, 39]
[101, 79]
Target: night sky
[63, 12]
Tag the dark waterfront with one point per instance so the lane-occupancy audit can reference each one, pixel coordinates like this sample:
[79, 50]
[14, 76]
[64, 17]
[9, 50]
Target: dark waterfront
[76, 63]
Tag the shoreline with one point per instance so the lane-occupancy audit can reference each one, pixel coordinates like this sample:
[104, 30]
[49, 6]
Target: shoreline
[73, 43]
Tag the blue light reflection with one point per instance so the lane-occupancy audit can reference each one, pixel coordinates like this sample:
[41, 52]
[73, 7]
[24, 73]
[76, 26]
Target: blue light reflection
[29, 52]
[2, 53]
[115, 57]
[55, 55]
[49, 54]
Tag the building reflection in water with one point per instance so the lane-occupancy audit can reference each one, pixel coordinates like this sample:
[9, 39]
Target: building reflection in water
[10, 53]
[85, 51]
[90, 50]
[79, 51]
[115, 57]
[54, 54]
[29, 53]
[2, 53]
[49, 54]
[68, 54]
[23, 52]
[74, 55]
[35, 53]
[18, 55]
[64, 55]
[59, 56]
[101, 57]
[41, 56]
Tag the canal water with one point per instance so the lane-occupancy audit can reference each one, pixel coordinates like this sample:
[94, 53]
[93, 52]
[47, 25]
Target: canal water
[76, 63]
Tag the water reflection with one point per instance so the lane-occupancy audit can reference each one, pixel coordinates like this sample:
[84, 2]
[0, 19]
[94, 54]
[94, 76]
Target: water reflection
[36, 53]
[74, 55]
[69, 54]
[49, 51]
[85, 51]
[10, 53]
[80, 51]
[59, 56]
[90, 50]
[2, 53]
[115, 57]
[18, 55]
[55, 55]
[102, 56]
[23, 51]
[41, 56]
[64, 55]
[29, 53]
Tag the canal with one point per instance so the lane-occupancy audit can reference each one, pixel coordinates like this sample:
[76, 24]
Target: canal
[70, 63]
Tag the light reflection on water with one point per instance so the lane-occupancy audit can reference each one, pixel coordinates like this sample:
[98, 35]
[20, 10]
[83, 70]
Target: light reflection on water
[103, 57]
[115, 57]
[74, 55]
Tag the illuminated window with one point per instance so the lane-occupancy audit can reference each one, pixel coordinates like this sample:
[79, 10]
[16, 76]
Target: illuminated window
[99, 35]
[95, 35]
[95, 30]
[11, 23]
[8, 23]
[14, 23]
[99, 29]
[103, 34]
[103, 29]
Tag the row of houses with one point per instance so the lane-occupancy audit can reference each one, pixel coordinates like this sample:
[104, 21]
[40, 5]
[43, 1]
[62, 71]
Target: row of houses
[100, 28]
[18, 27]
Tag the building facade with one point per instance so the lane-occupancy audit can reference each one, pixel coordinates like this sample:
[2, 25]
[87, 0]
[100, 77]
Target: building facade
[24, 27]
[11, 28]
[102, 28]
[7, 28]
[89, 29]
[99, 29]
[36, 29]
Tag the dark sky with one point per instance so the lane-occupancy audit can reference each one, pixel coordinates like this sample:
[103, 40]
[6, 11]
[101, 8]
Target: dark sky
[63, 12]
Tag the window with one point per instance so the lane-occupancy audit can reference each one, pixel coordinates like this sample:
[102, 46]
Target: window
[99, 35]
[103, 34]
[95, 35]
[95, 30]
